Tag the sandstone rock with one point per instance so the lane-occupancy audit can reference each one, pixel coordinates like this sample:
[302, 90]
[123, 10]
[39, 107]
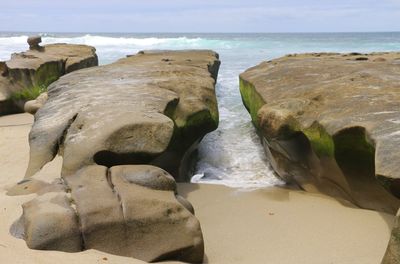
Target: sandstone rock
[151, 108]
[392, 255]
[125, 210]
[33, 106]
[51, 223]
[331, 123]
[3, 68]
[27, 72]
[34, 43]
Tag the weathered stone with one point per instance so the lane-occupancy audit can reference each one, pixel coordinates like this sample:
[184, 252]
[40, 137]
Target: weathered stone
[3, 68]
[125, 210]
[150, 108]
[161, 224]
[392, 255]
[50, 223]
[27, 73]
[34, 41]
[33, 106]
[331, 122]
[146, 176]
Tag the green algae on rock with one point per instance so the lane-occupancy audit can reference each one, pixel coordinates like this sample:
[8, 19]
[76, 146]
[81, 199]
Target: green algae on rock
[330, 122]
[28, 72]
[151, 108]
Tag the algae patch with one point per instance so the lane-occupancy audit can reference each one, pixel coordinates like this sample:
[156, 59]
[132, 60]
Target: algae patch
[251, 100]
[321, 142]
[29, 93]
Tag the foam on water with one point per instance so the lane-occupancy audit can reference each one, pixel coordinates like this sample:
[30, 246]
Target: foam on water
[231, 155]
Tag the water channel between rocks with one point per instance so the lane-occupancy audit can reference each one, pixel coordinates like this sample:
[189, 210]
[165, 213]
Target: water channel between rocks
[231, 155]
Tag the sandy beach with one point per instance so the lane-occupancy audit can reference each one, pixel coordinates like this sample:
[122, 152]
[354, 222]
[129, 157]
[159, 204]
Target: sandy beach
[272, 225]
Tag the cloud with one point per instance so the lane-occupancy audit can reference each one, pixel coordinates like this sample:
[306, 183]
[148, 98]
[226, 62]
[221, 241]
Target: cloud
[200, 16]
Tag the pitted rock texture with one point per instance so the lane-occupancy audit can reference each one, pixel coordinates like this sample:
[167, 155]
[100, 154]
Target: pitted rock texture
[129, 210]
[331, 122]
[151, 108]
[39, 67]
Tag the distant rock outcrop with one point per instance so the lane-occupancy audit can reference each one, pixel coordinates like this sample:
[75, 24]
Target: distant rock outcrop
[331, 123]
[27, 74]
[152, 108]
[34, 42]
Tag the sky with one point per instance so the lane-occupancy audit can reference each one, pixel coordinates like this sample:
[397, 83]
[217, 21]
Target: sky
[200, 15]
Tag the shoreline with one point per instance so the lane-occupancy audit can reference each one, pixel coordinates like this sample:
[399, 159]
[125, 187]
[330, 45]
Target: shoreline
[270, 225]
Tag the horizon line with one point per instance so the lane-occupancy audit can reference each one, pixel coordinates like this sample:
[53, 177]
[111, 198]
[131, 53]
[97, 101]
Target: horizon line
[200, 32]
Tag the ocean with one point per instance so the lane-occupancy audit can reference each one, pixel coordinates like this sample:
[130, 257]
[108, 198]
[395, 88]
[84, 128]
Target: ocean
[232, 155]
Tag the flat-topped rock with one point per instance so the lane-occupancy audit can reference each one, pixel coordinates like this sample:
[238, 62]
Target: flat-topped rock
[331, 122]
[26, 73]
[151, 108]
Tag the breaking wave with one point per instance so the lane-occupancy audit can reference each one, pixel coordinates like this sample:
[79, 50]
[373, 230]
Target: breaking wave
[231, 155]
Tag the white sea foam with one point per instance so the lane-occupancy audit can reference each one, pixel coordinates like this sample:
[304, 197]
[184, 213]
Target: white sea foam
[108, 41]
[9, 45]
[231, 155]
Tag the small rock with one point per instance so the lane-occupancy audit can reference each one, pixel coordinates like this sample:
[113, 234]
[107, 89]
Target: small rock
[33, 106]
[34, 43]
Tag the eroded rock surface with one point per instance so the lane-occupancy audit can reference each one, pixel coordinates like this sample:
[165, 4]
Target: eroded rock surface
[392, 255]
[39, 67]
[129, 210]
[331, 122]
[151, 108]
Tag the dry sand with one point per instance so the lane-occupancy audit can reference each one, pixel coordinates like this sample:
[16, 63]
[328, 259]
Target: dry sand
[273, 225]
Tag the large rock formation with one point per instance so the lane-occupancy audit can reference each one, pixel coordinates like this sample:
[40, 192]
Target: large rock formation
[331, 123]
[151, 108]
[130, 210]
[27, 73]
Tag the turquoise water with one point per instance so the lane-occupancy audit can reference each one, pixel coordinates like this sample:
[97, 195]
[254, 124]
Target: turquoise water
[231, 155]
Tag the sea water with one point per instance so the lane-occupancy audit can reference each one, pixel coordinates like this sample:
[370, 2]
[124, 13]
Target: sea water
[231, 155]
